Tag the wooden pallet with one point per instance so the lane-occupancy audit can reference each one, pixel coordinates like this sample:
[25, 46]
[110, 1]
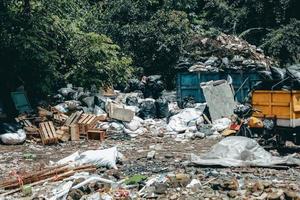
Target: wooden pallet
[73, 118]
[48, 133]
[60, 117]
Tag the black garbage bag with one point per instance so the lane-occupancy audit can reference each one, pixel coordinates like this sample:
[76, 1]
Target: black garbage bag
[162, 107]
[147, 109]
[262, 85]
[243, 111]
[266, 75]
[100, 101]
[188, 102]
[66, 92]
[133, 85]
[58, 98]
[132, 101]
[158, 87]
[9, 127]
[277, 73]
[153, 87]
[82, 95]
[293, 72]
[89, 101]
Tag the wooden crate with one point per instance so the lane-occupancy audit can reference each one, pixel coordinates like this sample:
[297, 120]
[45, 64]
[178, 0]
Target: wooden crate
[87, 127]
[96, 135]
[85, 122]
[48, 133]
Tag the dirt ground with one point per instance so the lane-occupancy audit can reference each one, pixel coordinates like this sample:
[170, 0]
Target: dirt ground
[170, 157]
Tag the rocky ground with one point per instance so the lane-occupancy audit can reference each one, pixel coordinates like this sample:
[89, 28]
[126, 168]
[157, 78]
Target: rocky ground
[158, 157]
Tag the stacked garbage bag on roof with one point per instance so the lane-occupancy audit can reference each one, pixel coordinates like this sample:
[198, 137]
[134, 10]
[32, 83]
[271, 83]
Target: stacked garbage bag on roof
[280, 78]
[223, 53]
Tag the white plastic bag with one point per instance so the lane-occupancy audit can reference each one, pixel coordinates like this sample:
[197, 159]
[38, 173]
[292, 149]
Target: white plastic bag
[69, 159]
[221, 124]
[14, 138]
[134, 124]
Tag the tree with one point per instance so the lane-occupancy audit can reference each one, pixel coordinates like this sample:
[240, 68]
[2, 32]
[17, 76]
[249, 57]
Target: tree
[45, 44]
[284, 43]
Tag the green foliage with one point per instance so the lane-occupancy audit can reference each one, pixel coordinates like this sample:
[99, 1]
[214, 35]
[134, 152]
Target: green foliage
[153, 36]
[53, 45]
[98, 61]
[135, 179]
[284, 43]
[44, 44]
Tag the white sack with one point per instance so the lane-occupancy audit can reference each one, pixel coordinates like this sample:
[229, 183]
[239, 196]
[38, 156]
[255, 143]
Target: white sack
[221, 124]
[180, 121]
[14, 138]
[103, 158]
[69, 159]
[134, 124]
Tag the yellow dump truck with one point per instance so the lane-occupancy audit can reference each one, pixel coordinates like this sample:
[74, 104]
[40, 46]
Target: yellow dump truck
[283, 107]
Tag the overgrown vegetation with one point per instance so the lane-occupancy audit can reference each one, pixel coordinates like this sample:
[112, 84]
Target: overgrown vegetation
[44, 44]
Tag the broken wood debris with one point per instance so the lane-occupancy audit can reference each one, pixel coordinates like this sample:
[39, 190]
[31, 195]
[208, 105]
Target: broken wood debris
[55, 173]
[53, 126]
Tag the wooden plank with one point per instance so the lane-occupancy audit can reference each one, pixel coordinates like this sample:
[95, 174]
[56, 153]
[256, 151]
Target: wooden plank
[93, 117]
[49, 131]
[53, 131]
[70, 119]
[27, 123]
[74, 132]
[86, 119]
[78, 115]
[44, 133]
[82, 118]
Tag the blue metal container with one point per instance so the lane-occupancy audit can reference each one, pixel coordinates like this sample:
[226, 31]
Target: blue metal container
[188, 83]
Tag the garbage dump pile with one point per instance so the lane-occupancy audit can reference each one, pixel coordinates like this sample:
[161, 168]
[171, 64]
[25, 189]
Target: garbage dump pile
[225, 52]
[77, 114]
[138, 145]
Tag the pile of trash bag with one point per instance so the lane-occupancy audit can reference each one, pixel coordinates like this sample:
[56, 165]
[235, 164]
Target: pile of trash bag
[280, 78]
[151, 86]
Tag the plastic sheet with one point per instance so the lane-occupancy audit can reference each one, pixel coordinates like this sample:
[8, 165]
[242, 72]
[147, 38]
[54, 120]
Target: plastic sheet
[238, 151]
